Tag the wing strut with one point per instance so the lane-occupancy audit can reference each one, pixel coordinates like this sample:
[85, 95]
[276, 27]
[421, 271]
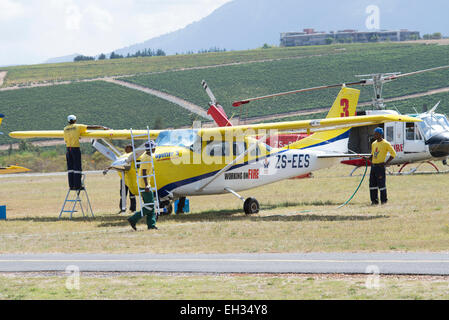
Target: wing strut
[230, 164]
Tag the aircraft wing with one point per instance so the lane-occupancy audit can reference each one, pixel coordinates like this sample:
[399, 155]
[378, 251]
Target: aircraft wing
[93, 134]
[314, 125]
[13, 169]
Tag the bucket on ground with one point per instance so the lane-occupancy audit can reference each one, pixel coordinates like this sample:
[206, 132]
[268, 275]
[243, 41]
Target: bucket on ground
[2, 212]
[186, 206]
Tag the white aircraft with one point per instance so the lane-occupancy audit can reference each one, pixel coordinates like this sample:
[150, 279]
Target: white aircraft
[419, 142]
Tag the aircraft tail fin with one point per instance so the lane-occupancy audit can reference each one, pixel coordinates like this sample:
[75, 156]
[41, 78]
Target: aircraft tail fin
[345, 105]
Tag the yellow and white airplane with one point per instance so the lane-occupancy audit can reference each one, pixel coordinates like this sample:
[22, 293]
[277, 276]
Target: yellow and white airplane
[204, 161]
[11, 169]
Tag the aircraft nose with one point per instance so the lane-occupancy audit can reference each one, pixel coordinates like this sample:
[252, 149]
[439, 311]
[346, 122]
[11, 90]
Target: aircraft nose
[439, 145]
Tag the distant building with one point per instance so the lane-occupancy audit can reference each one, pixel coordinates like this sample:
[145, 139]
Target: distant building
[310, 37]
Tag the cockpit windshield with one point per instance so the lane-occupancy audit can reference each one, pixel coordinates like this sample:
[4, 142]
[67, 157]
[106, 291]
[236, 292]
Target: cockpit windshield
[433, 124]
[180, 138]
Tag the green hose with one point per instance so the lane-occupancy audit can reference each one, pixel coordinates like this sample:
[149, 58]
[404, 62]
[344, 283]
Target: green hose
[358, 187]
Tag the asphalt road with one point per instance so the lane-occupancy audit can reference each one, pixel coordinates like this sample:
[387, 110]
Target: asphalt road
[347, 263]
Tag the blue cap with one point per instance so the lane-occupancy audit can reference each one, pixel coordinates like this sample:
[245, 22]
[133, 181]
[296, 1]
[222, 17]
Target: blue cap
[379, 130]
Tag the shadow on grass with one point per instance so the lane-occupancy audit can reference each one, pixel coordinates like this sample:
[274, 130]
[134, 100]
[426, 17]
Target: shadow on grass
[115, 220]
[238, 215]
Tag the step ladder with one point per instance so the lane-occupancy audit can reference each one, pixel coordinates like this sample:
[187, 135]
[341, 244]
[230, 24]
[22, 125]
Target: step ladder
[73, 201]
[151, 177]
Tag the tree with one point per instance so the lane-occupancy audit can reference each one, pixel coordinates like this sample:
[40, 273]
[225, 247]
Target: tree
[102, 56]
[83, 58]
[436, 35]
[329, 40]
[374, 38]
[115, 56]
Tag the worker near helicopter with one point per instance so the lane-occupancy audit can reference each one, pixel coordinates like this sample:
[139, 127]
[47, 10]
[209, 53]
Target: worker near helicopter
[377, 180]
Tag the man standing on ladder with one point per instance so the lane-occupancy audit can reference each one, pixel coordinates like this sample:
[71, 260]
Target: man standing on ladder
[377, 179]
[146, 169]
[72, 134]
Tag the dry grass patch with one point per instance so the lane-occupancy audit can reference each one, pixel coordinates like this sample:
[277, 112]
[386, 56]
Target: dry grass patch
[221, 287]
[296, 216]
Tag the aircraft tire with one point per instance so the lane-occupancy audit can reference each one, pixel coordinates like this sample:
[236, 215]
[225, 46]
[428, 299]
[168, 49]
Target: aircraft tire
[251, 206]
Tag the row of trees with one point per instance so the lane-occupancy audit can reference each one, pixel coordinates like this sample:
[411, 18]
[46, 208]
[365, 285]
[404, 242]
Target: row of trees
[212, 49]
[436, 35]
[113, 55]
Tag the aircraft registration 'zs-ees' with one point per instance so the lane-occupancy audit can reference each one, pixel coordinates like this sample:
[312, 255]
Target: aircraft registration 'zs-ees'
[202, 164]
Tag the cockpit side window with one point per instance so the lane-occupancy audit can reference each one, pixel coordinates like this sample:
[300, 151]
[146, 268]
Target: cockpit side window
[256, 151]
[410, 131]
[390, 134]
[238, 147]
[217, 149]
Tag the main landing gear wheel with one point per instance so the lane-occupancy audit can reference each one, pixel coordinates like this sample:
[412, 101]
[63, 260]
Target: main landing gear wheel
[251, 206]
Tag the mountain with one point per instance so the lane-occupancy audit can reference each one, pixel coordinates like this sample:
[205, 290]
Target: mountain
[248, 24]
[68, 58]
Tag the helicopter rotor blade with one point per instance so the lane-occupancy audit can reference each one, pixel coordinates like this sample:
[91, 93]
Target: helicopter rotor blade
[416, 72]
[246, 101]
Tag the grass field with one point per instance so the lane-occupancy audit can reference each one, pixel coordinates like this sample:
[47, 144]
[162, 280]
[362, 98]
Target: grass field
[220, 287]
[25, 75]
[296, 216]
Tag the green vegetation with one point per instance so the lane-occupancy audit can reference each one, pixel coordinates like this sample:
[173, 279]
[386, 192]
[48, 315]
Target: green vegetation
[231, 83]
[23, 75]
[51, 159]
[98, 102]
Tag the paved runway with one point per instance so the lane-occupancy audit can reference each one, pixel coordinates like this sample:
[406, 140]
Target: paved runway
[348, 263]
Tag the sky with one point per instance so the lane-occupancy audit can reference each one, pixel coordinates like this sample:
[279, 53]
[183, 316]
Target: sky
[32, 31]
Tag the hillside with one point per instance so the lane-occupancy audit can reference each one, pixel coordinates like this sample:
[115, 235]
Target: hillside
[95, 102]
[231, 75]
[248, 24]
[231, 83]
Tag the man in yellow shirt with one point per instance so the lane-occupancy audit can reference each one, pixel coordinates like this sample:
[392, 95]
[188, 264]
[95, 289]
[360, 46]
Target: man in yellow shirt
[145, 189]
[72, 134]
[377, 179]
